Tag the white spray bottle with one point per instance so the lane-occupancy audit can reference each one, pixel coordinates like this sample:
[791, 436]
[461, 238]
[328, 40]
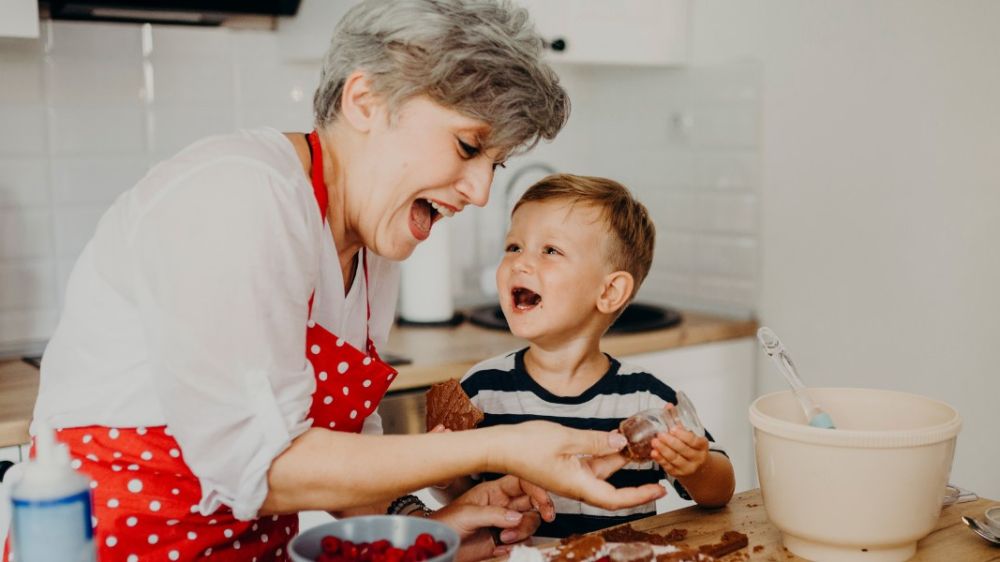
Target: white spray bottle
[51, 516]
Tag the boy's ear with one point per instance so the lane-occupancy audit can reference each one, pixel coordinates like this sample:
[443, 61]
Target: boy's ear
[359, 105]
[617, 291]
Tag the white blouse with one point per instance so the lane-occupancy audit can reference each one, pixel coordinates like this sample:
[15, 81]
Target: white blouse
[188, 308]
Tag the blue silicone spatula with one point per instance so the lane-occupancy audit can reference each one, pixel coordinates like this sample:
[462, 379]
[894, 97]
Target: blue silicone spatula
[776, 351]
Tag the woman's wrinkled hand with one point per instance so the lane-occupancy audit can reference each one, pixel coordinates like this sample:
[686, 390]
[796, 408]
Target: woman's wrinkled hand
[569, 462]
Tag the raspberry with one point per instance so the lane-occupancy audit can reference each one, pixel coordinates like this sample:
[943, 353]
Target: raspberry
[425, 541]
[330, 544]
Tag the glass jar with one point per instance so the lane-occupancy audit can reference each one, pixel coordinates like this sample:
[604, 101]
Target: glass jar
[643, 426]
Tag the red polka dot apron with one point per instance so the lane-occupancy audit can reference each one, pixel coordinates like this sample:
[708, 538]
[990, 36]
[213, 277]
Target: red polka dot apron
[145, 496]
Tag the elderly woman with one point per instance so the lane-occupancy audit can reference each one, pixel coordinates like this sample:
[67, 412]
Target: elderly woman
[215, 369]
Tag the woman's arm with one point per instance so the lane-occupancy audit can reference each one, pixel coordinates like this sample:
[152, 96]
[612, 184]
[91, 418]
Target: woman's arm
[333, 471]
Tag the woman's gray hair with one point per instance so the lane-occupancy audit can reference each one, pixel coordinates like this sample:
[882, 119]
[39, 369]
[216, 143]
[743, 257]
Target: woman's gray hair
[481, 58]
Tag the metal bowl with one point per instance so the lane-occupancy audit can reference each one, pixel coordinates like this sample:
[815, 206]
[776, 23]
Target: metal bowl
[399, 530]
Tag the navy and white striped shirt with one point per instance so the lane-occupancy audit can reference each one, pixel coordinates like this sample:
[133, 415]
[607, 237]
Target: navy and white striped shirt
[502, 388]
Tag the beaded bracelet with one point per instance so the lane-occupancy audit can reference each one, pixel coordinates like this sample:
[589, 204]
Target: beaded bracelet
[407, 505]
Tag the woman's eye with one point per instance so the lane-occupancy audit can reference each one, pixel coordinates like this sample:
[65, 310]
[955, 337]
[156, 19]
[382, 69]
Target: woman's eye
[468, 150]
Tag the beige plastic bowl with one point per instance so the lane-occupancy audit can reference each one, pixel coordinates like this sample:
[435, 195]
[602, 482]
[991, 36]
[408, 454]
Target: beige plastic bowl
[866, 491]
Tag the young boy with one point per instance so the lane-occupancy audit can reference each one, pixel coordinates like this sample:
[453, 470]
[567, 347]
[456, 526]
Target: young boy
[577, 250]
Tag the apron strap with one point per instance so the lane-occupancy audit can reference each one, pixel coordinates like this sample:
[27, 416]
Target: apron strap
[322, 201]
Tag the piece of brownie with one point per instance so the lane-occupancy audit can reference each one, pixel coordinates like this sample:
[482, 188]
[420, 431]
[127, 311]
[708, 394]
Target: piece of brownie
[627, 533]
[731, 542]
[448, 404]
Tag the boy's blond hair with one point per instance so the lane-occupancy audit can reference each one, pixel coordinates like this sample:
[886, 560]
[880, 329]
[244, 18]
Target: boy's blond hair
[633, 235]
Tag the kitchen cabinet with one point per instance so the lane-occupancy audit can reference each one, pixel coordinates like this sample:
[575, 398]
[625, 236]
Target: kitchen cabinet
[19, 18]
[626, 32]
[719, 379]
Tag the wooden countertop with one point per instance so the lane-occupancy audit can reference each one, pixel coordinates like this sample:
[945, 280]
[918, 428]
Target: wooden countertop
[950, 539]
[437, 353]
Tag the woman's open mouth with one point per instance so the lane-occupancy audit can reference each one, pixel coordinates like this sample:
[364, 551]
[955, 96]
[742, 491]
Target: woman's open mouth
[525, 299]
[423, 214]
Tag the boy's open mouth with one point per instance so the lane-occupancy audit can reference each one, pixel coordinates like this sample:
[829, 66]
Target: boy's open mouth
[525, 299]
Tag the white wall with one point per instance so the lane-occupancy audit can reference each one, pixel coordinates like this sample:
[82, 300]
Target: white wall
[880, 196]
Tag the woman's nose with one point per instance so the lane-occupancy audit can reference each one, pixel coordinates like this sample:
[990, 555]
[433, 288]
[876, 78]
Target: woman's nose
[475, 184]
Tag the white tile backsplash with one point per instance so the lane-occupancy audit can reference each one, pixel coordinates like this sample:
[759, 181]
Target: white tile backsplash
[23, 130]
[85, 110]
[94, 179]
[94, 41]
[28, 325]
[25, 233]
[23, 182]
[727, 255]
[206, 81]
[736, 171]
[74, 227]
[172, 127]
[27, 284]
[118, 129]
[20, 77]
[174, 43]
[728, 212]
[72, 80]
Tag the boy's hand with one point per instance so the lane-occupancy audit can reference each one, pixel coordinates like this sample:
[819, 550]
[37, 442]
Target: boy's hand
[680, 452]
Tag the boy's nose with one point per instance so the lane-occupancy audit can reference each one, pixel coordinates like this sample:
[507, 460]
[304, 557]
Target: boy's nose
[522, 263]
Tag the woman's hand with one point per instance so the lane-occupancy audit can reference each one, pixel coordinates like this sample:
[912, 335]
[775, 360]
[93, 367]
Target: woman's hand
[569, 462]
[509, 505]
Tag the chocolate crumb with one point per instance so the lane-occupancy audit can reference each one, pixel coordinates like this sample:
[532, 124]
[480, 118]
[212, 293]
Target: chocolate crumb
[758, 548]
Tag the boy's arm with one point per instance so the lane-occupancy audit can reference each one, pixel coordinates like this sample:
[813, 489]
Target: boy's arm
[706, 475]
[712, 484]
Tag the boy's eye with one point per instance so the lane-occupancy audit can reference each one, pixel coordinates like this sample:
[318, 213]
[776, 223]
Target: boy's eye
[468, 150]
[512, 248]
[551, 251]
